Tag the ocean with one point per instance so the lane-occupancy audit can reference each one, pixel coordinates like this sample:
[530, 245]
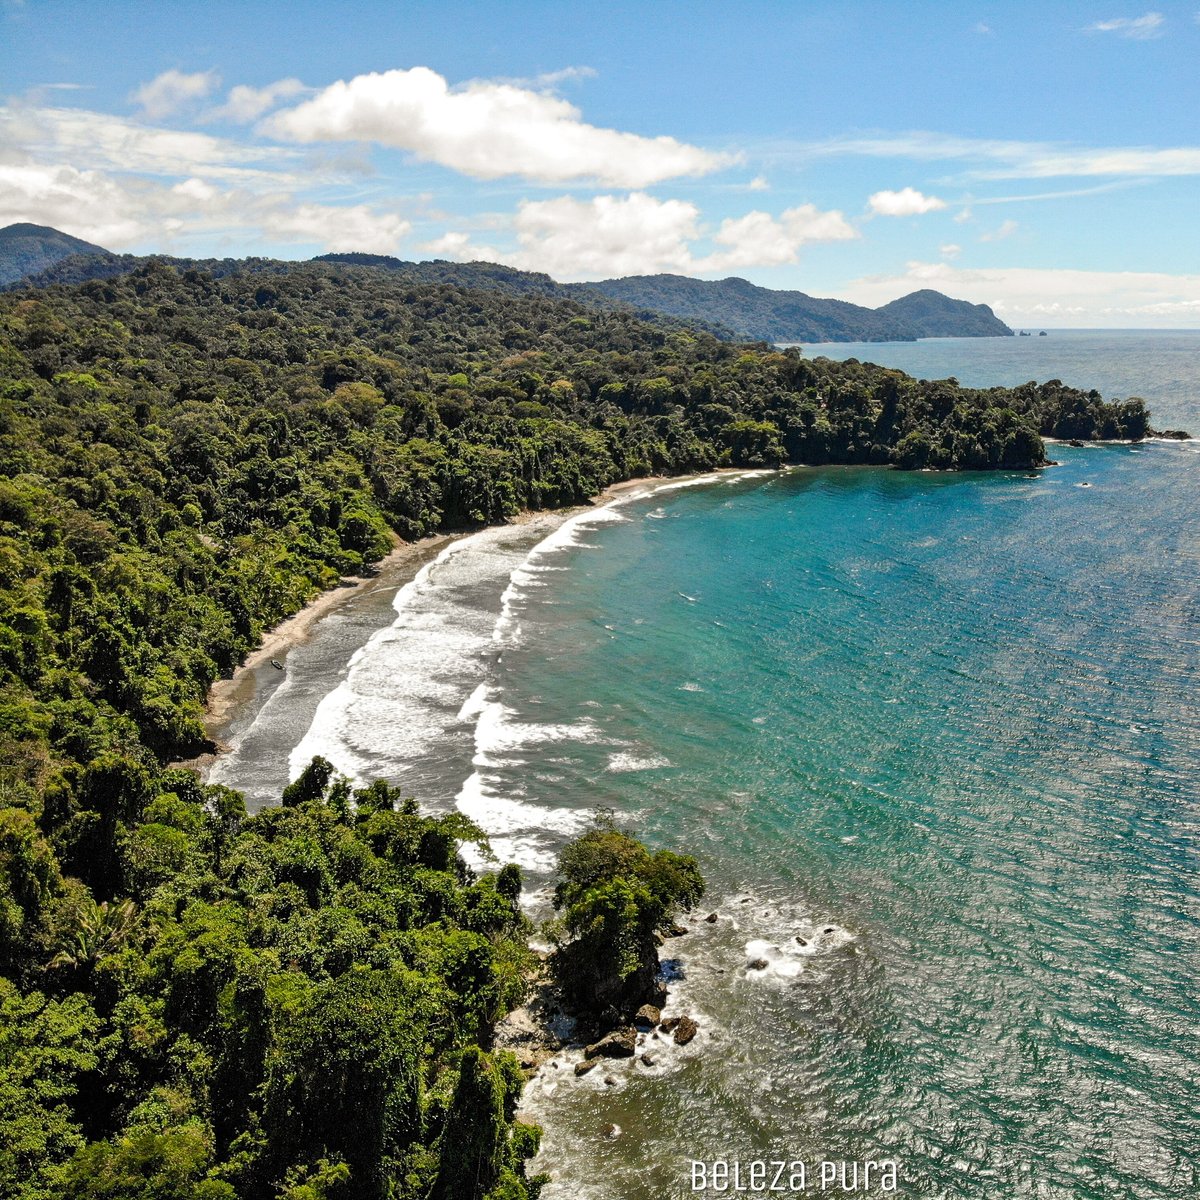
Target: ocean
[935, 740]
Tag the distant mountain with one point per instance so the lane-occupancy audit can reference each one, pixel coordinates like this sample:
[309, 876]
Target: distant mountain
[27, 250]
[782, 316]
[734, 308]
[935, 315]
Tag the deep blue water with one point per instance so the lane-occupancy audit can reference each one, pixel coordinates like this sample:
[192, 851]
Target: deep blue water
[944, 729]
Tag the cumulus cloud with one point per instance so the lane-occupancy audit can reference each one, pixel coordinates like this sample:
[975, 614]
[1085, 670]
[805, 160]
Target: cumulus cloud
[637, 234]
[335, 227]
[173, 90]
[907, 202]
[760, 240]
[1031, 296]
[249, 103]
[950, 250]
[607, 235]
[486, 129]
[1140, 29]
[1003, 230]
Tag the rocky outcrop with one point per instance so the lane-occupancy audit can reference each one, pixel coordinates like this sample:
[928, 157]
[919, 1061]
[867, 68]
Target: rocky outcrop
[621, 1043]
[685, 1031]
[647, 1016]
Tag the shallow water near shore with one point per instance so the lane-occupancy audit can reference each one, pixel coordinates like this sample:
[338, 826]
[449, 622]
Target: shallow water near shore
[935, 742]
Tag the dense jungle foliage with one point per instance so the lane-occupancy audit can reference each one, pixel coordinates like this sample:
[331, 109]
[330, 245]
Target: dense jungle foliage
[198, 1003]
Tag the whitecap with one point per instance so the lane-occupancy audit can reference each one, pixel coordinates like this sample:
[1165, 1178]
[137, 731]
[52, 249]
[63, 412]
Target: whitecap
[621, 762]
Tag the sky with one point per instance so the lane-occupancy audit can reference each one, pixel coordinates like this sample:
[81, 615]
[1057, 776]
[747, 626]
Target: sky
[1040, 158]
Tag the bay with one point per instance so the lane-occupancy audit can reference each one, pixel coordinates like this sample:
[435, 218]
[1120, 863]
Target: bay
[934, 739]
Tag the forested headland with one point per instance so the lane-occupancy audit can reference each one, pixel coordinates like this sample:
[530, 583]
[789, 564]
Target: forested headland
[200, 1003]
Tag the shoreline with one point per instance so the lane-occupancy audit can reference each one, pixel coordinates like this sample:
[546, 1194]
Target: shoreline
[231, 696]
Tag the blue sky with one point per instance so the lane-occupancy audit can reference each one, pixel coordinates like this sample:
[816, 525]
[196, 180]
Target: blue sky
[1041, 158]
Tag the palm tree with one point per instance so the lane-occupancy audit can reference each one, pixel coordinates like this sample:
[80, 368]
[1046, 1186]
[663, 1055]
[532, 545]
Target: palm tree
[100, 930]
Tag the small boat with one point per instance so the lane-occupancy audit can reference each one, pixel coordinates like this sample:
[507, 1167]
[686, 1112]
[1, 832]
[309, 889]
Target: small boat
[277, 664]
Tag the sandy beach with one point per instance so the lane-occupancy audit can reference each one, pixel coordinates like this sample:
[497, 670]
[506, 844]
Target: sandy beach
[230, 699]
[405, 560]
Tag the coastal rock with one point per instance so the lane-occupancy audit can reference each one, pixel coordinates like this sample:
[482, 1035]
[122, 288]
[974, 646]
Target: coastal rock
[1178, 435]
[685, 1031]
[612, 1132]
[801, 941]
[1074, 442]
[677, 930]
[757, 964]
[647, 1016]
[669, 1024]
[648, 1060]
[584, 1067]
[611, 1081]
[711, 919]
[621, 1043]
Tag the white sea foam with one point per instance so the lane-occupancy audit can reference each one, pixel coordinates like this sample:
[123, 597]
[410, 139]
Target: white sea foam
[621, 762]
[418, 677]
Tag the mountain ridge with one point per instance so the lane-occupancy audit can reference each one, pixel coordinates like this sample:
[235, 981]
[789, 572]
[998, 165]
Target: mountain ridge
[38, 255]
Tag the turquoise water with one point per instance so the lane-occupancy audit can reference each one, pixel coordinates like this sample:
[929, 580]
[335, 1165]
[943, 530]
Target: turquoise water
[944, 729]
[956, 719]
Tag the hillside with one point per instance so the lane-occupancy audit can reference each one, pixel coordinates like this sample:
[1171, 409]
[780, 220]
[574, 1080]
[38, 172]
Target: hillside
[731, 308]
[786, 316]
[302, 1003]
[27, 250]
[935, 315]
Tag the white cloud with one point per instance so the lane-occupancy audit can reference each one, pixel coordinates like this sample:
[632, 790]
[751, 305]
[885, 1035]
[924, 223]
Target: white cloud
[637, 234]
[456, 246]
[486, 129]
[1062, 194]
[172, 90]
[336, 227]
[84, 203]
[248, 103]
[607, 235]
[1004, 230]
[565, 75]
[121, 213]
[907, 202]
[760, 240]
[1015, 160]
[962, 217]
[125, 185]
[950, 250]
[1047, 296]
[1139, 28]
[758, 184]
[91, 140]
[983, 28]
